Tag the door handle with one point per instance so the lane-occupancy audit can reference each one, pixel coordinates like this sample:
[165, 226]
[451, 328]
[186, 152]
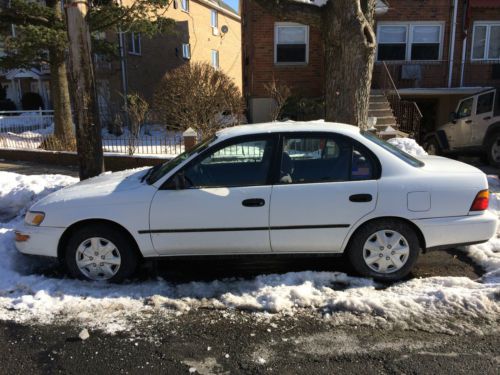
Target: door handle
[487, 118]
[361, 198]
[254, 202]
[468, 122]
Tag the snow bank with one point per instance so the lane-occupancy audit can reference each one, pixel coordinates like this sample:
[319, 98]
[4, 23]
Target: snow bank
[408, 145]
[17, 192]
[444, 304]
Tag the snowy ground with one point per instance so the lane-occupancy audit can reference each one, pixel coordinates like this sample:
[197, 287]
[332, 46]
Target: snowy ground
[440, 304]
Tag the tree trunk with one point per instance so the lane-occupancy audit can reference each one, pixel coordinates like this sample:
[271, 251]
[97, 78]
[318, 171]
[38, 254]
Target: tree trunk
[63, 123]
[88, 129]
[349, 57]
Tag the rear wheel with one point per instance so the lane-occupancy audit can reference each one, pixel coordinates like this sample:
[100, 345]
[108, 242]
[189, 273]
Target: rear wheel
[385, 250]
[493, 149]
[100, 253]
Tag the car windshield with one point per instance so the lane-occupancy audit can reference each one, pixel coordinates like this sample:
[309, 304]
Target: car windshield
[161, 170]
[393, 149]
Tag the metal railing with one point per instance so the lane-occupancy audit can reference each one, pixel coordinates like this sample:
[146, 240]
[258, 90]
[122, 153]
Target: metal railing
[407, 113]
[23, 121]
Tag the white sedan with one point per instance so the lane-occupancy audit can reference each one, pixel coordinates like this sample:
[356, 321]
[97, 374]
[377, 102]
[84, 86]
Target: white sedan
[292, 188]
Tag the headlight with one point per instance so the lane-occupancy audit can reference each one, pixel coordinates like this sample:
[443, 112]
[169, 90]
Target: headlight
[34, 218]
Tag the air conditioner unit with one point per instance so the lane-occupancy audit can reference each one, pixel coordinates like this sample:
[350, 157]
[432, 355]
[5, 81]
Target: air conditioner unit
[215, 31]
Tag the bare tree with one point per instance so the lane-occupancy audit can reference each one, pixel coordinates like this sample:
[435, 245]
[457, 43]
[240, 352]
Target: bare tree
[198, 96]
[137, 110]
[349, 44]
[280, 93]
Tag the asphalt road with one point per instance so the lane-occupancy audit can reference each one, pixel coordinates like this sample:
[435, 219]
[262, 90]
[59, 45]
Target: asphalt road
[222, 342]
[214, 342]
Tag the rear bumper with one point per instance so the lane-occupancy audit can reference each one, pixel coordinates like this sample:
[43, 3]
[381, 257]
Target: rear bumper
[450, 231]
[42, 241]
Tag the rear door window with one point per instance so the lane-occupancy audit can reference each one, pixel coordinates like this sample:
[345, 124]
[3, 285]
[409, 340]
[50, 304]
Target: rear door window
[485, 103]
[315, 159]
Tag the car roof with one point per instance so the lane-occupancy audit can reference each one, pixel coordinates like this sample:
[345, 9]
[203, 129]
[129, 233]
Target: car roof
[289, 126]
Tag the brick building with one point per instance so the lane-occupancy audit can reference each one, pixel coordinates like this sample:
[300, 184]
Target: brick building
[436, 51]
[206, 31]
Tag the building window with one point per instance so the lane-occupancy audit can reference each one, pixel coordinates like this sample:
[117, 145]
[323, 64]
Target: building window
[408, 41]
[214, 18]
[186, 51]
[134, 44]
[185, 5]
[215, 59]
[291, 43]
[486, 41]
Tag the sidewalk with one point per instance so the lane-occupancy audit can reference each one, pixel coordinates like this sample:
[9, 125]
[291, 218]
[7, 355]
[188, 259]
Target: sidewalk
[29, 168]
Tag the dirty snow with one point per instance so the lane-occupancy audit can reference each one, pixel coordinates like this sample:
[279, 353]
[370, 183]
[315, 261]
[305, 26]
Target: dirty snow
[408, 145]
[443, 304]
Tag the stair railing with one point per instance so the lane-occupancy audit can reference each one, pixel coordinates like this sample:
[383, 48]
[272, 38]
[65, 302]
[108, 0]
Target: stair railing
[408, 115]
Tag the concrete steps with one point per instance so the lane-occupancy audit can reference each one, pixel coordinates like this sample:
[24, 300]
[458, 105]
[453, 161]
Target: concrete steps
[380, 108]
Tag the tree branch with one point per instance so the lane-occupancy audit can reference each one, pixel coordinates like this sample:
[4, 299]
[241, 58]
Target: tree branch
[289, 10]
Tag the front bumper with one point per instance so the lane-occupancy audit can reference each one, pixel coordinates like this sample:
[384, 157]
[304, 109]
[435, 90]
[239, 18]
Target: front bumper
[42, 241]
[441, 232]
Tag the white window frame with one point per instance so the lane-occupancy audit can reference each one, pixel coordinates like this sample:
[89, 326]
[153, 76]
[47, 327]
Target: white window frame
[214, 18]
[410, 26]
[486, 52]
[134, 49]
[215, 53]
[186, 51]
[185, 6]
[278, 25]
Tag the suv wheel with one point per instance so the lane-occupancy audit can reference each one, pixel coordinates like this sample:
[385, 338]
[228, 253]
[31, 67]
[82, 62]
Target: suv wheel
[493, 149]
[100, 253]
[431, 146]
[385, 250]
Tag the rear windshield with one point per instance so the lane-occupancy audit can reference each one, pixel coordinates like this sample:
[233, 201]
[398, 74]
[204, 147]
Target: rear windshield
[407, 158]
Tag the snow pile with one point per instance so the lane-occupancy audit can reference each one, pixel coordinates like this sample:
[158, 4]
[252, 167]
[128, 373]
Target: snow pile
[444, 304]
[18, 192]
[318, 3]
[408, 145]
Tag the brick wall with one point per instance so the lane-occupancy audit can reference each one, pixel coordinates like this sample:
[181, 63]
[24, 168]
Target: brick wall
[258, 31]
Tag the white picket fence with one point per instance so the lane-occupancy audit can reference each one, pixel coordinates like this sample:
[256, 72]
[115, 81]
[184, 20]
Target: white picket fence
[22, 121]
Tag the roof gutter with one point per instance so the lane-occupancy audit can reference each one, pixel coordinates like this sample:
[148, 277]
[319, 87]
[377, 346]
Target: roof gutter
[452, 43]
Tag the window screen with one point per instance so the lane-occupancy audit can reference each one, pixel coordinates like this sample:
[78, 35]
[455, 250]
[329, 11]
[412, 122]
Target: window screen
[291, 44]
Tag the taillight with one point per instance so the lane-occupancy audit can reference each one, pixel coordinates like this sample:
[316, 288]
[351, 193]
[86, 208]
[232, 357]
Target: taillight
[481, 201]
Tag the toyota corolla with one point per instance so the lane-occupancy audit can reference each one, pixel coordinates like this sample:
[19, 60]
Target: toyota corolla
[291, 188]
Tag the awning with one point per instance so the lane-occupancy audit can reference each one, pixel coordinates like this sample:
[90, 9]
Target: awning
[485, 3]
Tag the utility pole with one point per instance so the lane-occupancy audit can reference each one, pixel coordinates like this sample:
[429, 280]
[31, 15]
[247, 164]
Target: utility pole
[88, 128]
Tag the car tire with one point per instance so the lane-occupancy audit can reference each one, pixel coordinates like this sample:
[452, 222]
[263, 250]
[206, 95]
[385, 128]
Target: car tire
[432, 147]
[109, 253]
[493, 149]
[397, 257]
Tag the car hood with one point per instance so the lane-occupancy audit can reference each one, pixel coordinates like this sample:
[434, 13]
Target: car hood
[107, 188]
[446, 166]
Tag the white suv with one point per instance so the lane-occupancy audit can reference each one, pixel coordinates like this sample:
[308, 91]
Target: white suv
[474, 128]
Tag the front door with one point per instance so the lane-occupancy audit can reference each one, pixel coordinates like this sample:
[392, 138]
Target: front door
[327, 183]
[459, 133]
[223, 207]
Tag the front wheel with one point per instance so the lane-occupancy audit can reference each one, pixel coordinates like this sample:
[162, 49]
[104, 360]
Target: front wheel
[431, 146]
[100, 253]
[385, 250]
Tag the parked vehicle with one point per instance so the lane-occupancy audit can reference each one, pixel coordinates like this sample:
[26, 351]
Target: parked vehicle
[288, 188]
[474, 128]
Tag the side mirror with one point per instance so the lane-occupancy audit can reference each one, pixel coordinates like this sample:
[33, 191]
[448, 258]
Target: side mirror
[178, 182]
[453, 117]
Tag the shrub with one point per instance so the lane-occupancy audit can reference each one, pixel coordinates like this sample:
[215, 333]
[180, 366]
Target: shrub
[196, 95]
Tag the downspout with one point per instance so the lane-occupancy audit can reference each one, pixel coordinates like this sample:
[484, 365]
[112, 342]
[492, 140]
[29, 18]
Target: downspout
[452, 43]
[123, 68]
[464, 42]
